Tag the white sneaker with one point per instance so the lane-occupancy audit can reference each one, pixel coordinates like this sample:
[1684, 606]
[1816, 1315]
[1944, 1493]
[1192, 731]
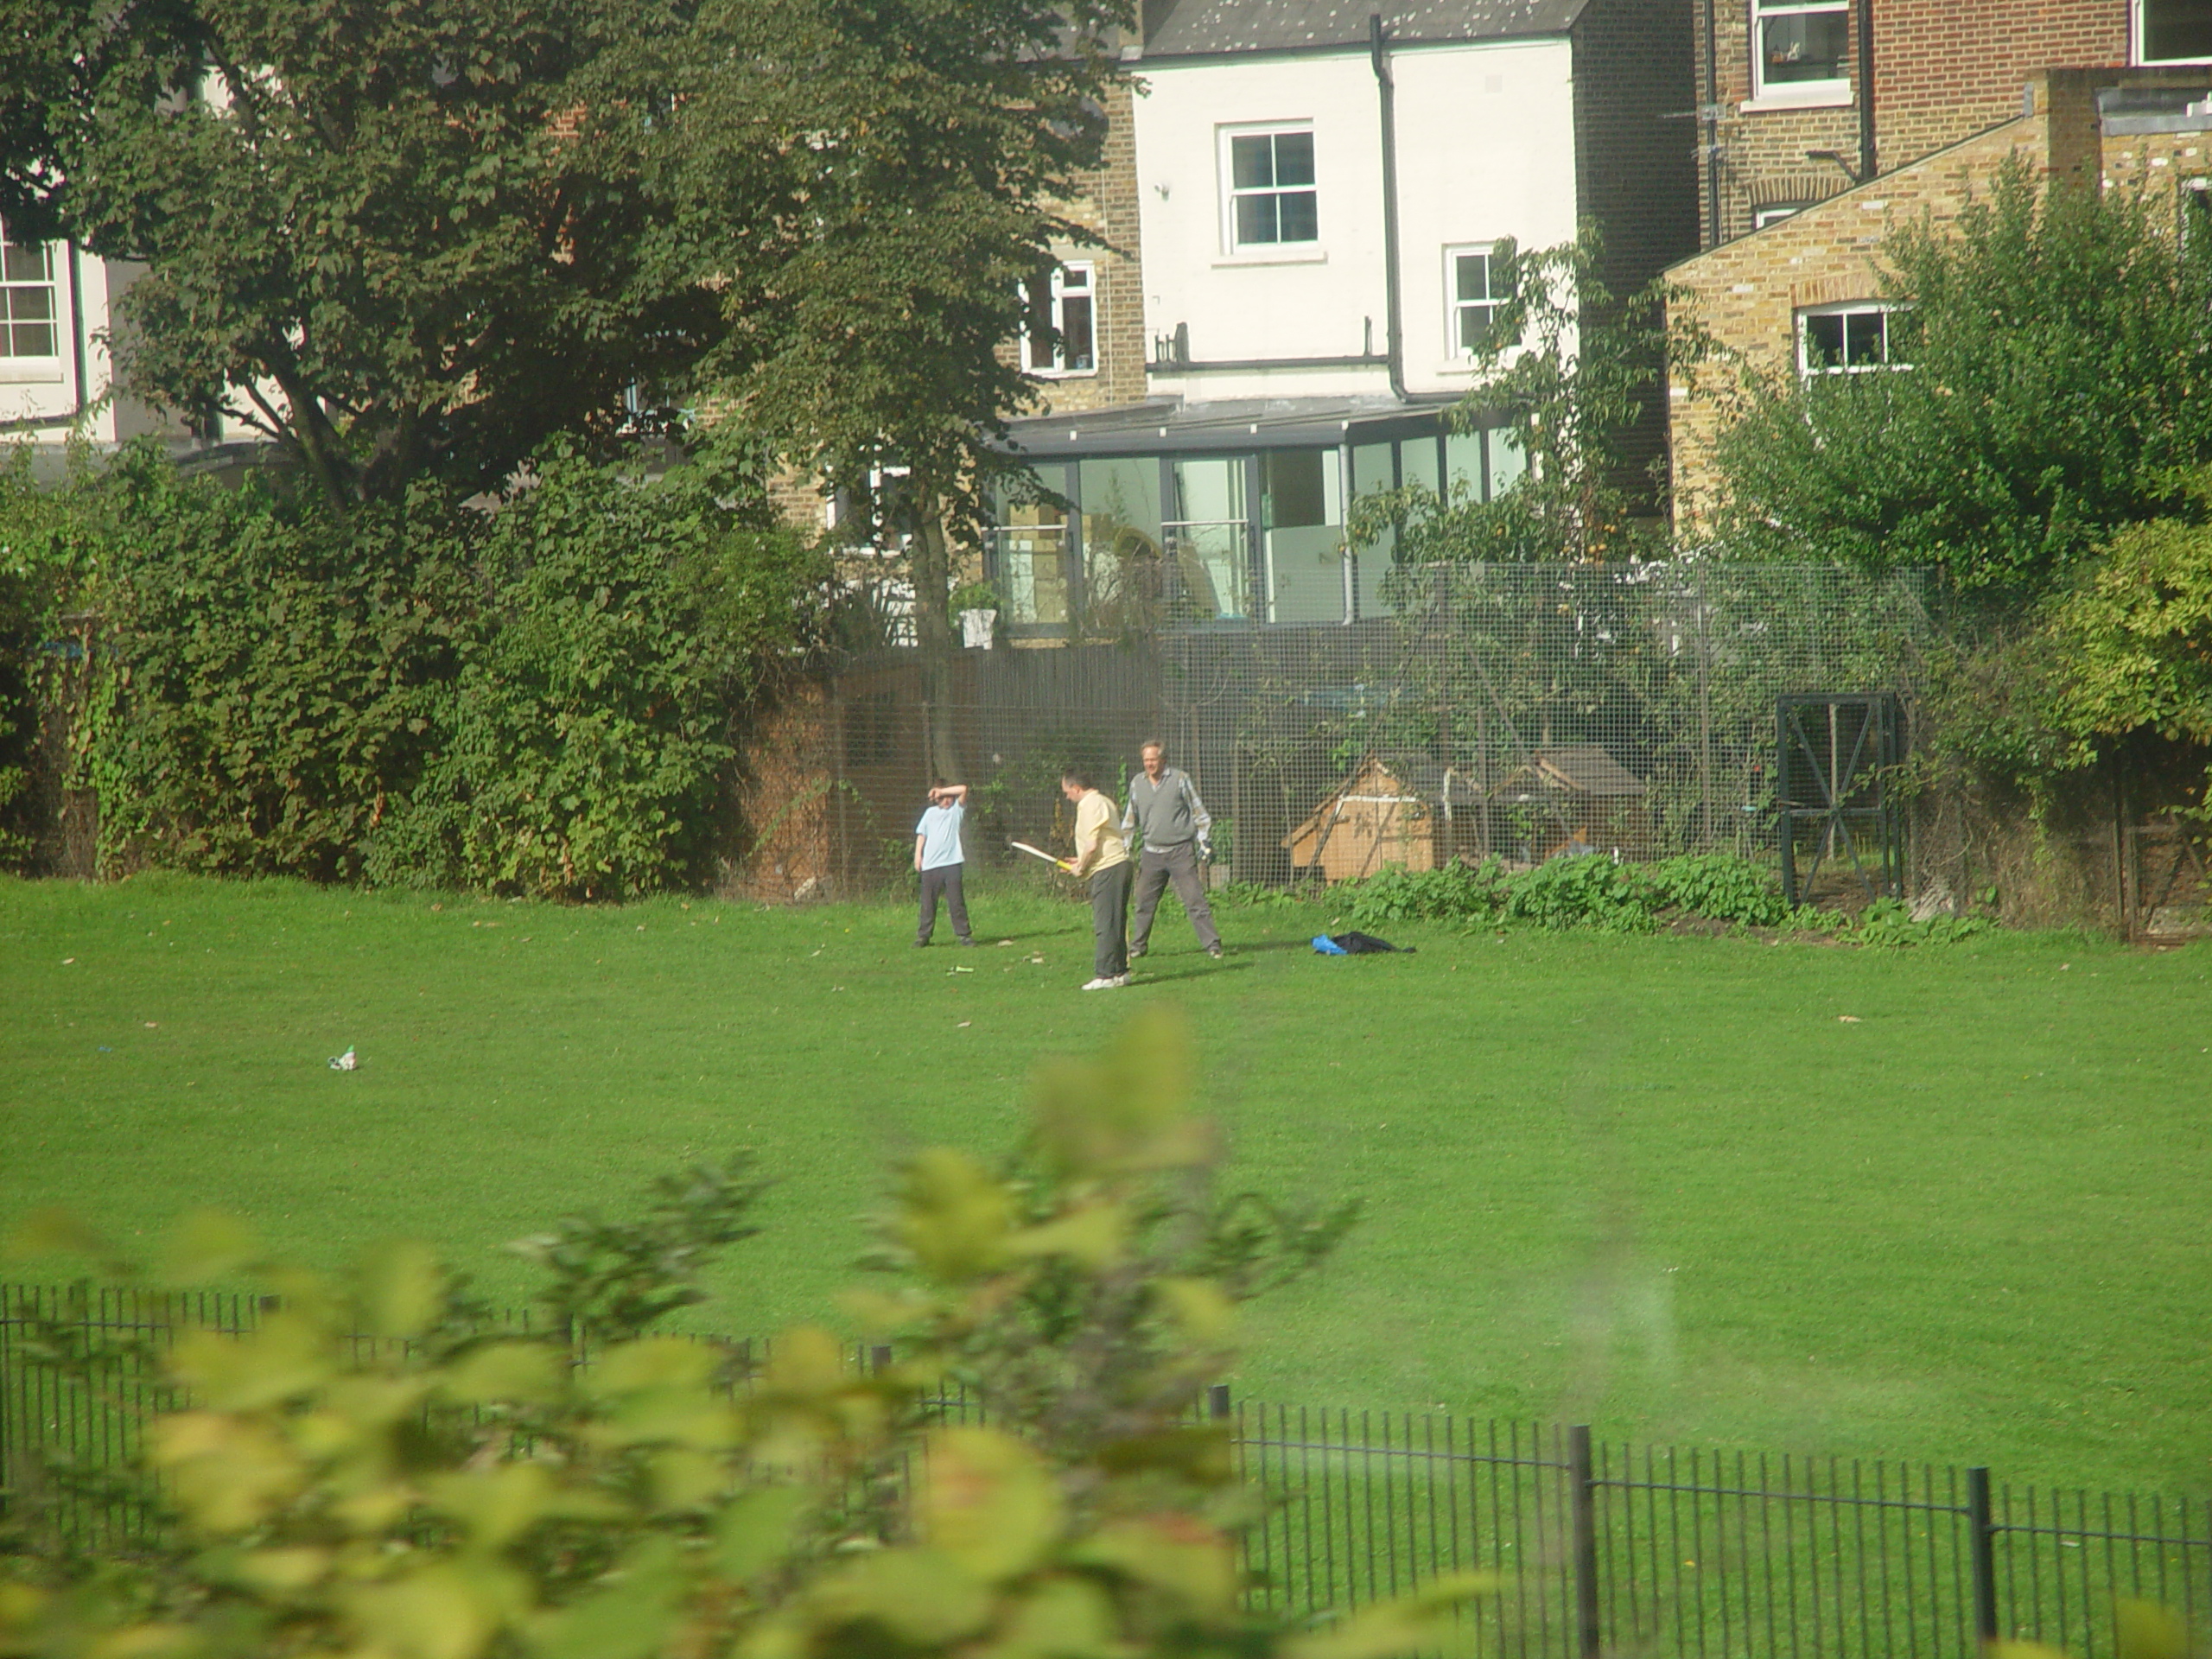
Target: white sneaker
[1106, 984]
[1119, 980]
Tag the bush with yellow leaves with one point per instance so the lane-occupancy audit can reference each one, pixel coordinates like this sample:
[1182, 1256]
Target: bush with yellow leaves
[451, 1490]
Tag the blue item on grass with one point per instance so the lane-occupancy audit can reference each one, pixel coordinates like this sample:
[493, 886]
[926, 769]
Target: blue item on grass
[1329, 947]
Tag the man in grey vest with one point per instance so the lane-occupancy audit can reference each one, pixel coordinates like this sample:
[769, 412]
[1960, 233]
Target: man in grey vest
[1164, 804]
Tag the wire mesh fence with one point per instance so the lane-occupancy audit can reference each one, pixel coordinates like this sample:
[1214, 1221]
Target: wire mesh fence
[1514, 711]
[1594, 1546]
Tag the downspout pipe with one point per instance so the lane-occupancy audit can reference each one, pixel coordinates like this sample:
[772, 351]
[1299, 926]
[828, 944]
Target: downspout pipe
[1709, 125]
[1865, 91]
[1386, 98]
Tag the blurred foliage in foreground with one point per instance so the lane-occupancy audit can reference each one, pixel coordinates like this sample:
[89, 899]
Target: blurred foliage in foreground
[449, 1487]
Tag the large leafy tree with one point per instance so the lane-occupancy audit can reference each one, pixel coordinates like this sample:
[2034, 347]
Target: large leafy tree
[922, 144]
[2060, 345]
[399, 240]
[417, 239]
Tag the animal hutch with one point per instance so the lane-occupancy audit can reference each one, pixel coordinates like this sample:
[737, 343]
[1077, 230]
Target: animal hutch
[1574, 798]
[1400, 814]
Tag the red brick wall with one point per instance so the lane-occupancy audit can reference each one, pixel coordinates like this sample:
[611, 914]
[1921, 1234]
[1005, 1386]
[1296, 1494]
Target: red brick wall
[1943, 71]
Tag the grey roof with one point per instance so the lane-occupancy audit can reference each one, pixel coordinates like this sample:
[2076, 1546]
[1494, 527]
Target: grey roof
[1192, 27]
[1161, 426]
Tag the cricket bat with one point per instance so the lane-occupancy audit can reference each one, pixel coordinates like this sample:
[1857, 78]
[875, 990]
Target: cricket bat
[1038, 852]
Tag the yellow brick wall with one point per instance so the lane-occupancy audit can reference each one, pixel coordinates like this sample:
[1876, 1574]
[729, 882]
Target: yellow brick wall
[1747, 293]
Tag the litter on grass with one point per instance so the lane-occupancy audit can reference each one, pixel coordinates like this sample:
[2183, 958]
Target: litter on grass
[344, 1062]
[1356, 944]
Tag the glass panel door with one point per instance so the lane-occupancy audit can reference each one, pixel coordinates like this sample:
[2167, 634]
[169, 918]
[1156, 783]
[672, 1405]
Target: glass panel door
[1209, 540]
[1123, 574]
[1301, 512]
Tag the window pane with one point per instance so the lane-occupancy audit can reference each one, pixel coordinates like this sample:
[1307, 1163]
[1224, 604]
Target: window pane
[1075, 279]
[24, 265]
[1293, 158]
[32, 340]
[1294, 487]
[1862, 339]
[1251, 161]
[1473, 269]
[31, 304]
[1297, 217]
[2176, 28]
[1374, 469]
[1256, 220]
[1463, 461]
[1474, 326]
[1507, 463]
[1417, 462]
[1123, 578]
[1824, 342]
[1807, 46]
[1075, 332]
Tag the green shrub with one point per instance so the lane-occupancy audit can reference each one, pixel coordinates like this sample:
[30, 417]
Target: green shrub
[268, 684]
[537, 700]
[1456, 893]
[1580, 891]
[1718, 885]
[586, 732]
[1590, 891]
[1890, 922]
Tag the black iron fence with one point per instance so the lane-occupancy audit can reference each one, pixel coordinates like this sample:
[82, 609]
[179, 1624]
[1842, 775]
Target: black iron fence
[1597, 1546]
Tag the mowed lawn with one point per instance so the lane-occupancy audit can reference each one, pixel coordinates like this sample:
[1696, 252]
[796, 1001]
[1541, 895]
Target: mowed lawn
[1946, 1204]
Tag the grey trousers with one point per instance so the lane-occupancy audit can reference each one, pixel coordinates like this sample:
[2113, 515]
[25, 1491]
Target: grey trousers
[1109, 920]
[945, 879]
[1157, 867]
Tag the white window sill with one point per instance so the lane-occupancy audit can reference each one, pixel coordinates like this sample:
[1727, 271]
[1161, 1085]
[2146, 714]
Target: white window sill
[1061, 374]
[1819, 95]
[1302, 253]
[30, 371]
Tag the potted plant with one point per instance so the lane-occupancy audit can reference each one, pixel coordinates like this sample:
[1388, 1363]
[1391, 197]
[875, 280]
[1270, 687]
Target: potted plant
[977, 605]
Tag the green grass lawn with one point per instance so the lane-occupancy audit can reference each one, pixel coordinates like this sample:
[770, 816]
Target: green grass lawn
[1660, 1184]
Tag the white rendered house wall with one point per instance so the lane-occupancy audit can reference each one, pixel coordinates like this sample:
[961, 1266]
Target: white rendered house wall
[1485, 150]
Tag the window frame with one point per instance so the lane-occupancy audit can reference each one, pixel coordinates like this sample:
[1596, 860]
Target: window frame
[1456, 350]
[1055, 315]
[1807, 371]
[1775, 213]
[1232, 194]
[50, 284]
[1831, 90]
[2139, 33]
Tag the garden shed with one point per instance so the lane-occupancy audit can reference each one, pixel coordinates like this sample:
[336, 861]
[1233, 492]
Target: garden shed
[1402, 813]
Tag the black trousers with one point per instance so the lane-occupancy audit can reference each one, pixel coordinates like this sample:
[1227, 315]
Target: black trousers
[1109, 920]
[1178, 864]
[945, 879]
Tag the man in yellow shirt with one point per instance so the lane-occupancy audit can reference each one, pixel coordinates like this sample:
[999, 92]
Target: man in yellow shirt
[1102, 858]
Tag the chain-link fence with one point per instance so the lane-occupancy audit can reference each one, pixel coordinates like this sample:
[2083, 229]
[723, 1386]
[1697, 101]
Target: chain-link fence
[1519, 711]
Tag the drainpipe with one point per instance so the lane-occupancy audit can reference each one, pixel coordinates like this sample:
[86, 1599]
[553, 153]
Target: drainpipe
[1387, 101]
[1866, 90]
[1709, 122]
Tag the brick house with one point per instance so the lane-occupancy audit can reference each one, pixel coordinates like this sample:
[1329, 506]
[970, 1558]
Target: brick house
[1820, 132]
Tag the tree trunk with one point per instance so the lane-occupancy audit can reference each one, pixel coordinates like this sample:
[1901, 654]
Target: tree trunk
[931, 568]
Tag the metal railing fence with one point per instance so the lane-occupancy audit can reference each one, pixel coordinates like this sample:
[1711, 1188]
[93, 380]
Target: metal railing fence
[1598, 1547]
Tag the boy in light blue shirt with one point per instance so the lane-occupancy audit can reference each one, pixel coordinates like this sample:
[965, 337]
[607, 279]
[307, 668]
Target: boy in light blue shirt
[937, 856]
